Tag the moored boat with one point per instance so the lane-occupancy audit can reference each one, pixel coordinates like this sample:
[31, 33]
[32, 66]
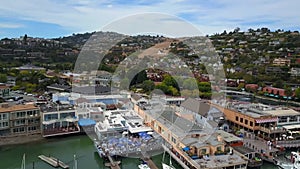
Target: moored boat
[294, 163]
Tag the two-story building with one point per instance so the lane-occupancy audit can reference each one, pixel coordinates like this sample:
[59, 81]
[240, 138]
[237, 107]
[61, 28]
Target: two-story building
[4, 91]
[59, 120]
[19, 119]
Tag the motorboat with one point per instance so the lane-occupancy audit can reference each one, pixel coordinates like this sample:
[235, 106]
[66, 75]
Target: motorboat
[294, 163]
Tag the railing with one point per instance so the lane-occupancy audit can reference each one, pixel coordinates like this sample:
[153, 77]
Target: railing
[272, 130]
[288, 143]
[60, 131]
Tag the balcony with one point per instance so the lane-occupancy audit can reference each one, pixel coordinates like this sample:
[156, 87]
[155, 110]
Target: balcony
[288, 143]
[60, 131]
[272, 130]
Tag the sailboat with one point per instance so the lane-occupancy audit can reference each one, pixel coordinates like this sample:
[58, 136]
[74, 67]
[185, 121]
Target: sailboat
[75, 162]
[23, 162]
[166, 166]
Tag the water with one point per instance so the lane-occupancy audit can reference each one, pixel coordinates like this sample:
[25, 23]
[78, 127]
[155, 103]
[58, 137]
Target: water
[63, 149]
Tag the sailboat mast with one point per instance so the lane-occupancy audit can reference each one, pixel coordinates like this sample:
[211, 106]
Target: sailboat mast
[75, 162]
[23, 162]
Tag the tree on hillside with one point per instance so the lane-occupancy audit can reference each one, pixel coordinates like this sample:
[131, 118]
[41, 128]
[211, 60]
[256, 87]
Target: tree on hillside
[297, 92]
[170, 81]
[148, 85]
[3, 78]
[190, 84]
[288, 91]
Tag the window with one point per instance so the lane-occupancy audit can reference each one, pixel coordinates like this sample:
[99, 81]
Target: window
[21, 114]
[203, 151]
[241, 120]
[256, 124]
[32, 128]
[19, 130]
[49, 117]
[282, 119]
[65, 115]
[173, 140]
[30, 121]
[251, 123]
[246, 122]
[19, 122]
[219, 148]
[293, 118]
[236, 118]
[3, 116]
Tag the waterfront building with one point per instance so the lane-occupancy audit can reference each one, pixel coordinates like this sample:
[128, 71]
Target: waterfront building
[277, 124]
[19, 120]
[197, 146]
[118, 121]
[59, 120]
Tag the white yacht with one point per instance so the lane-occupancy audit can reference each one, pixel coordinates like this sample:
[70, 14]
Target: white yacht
[290, 165]
[166, 166]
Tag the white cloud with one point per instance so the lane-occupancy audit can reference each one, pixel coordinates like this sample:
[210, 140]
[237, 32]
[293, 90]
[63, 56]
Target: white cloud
[208, 16]
[10, 25]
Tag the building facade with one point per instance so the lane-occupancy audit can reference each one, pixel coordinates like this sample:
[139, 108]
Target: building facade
[19, 120]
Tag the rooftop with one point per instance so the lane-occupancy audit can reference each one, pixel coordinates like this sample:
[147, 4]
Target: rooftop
[196, 106]
[221, 161]
[5, 108]
[283, 112]
[228, 137]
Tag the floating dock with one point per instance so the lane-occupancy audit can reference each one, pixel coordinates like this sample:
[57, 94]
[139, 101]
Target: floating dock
[150, 163]
[112, 164]
[53, 161]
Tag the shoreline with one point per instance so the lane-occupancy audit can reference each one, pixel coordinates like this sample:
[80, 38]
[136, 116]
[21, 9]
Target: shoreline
[20, 139]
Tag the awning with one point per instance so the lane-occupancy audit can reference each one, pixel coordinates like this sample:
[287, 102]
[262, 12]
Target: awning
[49, 122]
[288, 127]
[140, 129]
[275, 119]
[186, 149]
[86, 122]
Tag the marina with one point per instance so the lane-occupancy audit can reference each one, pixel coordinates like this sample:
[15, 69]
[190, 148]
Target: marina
[82, 146]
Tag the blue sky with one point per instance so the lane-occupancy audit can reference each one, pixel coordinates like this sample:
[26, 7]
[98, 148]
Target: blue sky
[55, 18]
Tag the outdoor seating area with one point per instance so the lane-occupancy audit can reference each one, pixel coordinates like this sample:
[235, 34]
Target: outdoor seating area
[60, 131]
[133, 143]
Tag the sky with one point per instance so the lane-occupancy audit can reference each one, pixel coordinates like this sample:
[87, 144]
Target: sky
[57, 18]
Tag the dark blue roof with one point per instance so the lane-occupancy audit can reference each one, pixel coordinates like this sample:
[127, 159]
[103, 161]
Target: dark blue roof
[86, 122]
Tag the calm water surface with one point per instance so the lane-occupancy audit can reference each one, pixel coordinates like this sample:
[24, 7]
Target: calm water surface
[64, 149]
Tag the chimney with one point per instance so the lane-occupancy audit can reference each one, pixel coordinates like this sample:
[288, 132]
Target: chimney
[219, 137]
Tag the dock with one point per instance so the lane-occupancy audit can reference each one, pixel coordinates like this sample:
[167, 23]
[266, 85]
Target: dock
[112, 164]
[54, 162]
[150, 163]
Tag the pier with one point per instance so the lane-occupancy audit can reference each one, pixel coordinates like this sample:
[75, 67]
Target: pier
[150, 163]
[53, 161]
[112, 164]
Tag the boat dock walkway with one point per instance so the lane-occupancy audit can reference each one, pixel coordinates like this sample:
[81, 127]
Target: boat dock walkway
[112, 164]
[53, 161]
[150, 163]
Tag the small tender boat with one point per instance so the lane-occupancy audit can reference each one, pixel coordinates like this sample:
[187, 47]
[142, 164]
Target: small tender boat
[99, 150]
[143, 166]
